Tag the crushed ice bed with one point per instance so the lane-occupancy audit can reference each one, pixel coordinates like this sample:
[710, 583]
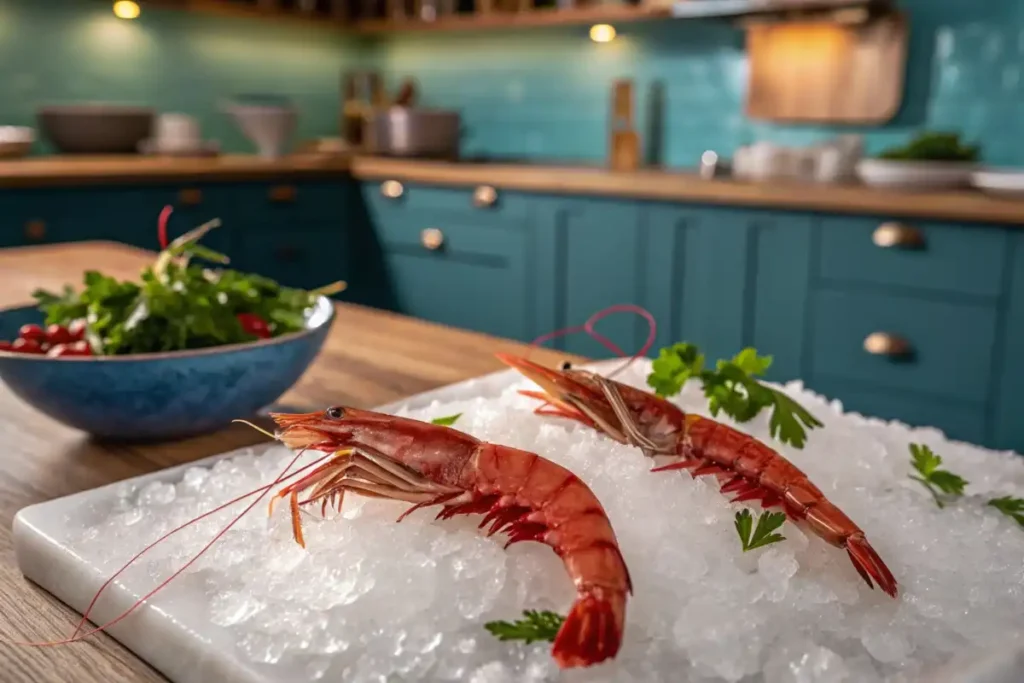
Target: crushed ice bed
[372, 600]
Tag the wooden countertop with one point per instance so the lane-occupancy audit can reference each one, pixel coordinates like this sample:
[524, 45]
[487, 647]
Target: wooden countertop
[961, 205]
[79, 170]
[370, 358]
[676, 186]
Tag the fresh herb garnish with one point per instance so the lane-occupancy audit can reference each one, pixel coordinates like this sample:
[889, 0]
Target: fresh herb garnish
[937, 481]
[1011, 507]
[180, 305]
[763, 534]
[536, 626]
[732, 388]
[933, 146]
[446, 421]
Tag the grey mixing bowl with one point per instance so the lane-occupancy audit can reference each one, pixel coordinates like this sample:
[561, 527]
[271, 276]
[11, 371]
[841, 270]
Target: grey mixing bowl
[95, 128]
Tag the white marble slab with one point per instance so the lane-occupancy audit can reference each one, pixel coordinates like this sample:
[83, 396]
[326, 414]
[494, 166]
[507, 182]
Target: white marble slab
[172, 632]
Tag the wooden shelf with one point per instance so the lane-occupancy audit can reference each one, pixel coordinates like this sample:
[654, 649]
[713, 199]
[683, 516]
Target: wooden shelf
[511, 20]
[495, 20]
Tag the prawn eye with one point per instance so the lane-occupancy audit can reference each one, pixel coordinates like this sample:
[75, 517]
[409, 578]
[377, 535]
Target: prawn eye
[336, 413]
[566, 365]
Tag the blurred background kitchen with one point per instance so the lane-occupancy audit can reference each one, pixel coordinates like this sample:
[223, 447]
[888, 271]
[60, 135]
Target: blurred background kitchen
[836, 182]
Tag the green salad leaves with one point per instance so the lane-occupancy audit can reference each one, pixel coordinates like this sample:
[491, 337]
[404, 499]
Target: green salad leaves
[179, 305]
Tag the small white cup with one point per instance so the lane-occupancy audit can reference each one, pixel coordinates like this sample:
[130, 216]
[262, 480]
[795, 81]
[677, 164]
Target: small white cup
[176, 133]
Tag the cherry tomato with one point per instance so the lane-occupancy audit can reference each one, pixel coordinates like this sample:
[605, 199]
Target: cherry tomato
[58, 334]
[254, 325]
[32, 332]
[58, 350]
[22, 345]
[81, 348]
[77, 329]
[5, 345]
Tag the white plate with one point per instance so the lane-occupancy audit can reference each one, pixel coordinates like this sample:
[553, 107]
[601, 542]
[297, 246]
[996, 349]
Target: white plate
[1005, 183]
[914, 174]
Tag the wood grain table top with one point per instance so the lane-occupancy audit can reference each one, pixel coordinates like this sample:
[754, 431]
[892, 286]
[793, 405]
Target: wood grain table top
[370, 358]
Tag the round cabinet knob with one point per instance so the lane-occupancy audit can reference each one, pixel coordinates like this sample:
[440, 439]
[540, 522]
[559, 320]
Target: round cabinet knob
[190, 196]
[392, 189]
[35, 230]
[432, 238]
[888, 235]
[283, 193]
[885, 344]
[485, 196]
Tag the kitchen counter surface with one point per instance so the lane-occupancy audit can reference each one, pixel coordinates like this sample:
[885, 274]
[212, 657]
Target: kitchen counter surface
[648, 184]
[87, 169]
[370, 358]
[963, 205]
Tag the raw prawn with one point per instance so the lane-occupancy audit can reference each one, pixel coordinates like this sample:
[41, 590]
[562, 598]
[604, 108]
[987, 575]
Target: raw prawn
[523, 494]
[744, 465]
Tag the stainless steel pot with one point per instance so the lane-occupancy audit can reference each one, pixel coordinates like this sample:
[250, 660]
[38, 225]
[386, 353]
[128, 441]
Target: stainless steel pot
[411, 132]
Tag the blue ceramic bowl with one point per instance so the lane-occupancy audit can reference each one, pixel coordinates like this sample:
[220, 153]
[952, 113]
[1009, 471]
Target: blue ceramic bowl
[160, 396]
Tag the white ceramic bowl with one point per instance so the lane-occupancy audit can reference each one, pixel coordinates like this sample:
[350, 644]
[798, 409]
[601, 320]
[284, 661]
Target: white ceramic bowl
[915, 174]
[270, 128]
[16, 141]
[1001, 182]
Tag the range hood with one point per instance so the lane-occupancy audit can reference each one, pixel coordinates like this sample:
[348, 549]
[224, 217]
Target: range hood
[693, 9]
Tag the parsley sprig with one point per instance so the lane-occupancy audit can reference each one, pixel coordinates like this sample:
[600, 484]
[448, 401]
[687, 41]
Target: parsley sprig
[446, 421]
[1011, 507]
[939, 482]
[762, 534]
[732, 388]
[536, 626]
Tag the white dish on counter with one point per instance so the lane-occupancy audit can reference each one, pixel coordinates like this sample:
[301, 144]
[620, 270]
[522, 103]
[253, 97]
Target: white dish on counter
[16, 141]
[915, 174]
[1001, 182]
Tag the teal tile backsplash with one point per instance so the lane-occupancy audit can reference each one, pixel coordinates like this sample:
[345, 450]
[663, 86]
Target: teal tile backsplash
[59, 51]
[537, 94]
[547, 94]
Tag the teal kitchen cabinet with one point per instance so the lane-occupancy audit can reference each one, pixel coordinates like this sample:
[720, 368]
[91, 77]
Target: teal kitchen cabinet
[1008, 413]
[591, 256]
[724, 279]
[907, 320]
[456, 256]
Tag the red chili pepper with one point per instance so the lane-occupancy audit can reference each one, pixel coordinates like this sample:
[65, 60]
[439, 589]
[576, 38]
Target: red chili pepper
[5, 345]
[161, 226]
[254, 325]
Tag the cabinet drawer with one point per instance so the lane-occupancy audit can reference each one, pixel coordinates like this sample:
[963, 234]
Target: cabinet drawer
[950, 345]
[939, 257]
[389, 198]
[440, 288]
[42, 216]
[307, 259]
[444, 236]
[960, 421]
[239, 206]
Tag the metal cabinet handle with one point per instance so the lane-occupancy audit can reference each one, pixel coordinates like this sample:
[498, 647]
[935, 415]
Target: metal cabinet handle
[484, 196]
[889, 235]
[35, 230]
[283, 193]
[432, 238]
[885, 344]
[392, 189]
[190, 196]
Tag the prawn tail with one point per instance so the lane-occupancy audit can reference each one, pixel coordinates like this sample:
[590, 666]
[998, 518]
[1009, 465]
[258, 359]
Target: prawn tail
[592, 632]
[869, 565]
